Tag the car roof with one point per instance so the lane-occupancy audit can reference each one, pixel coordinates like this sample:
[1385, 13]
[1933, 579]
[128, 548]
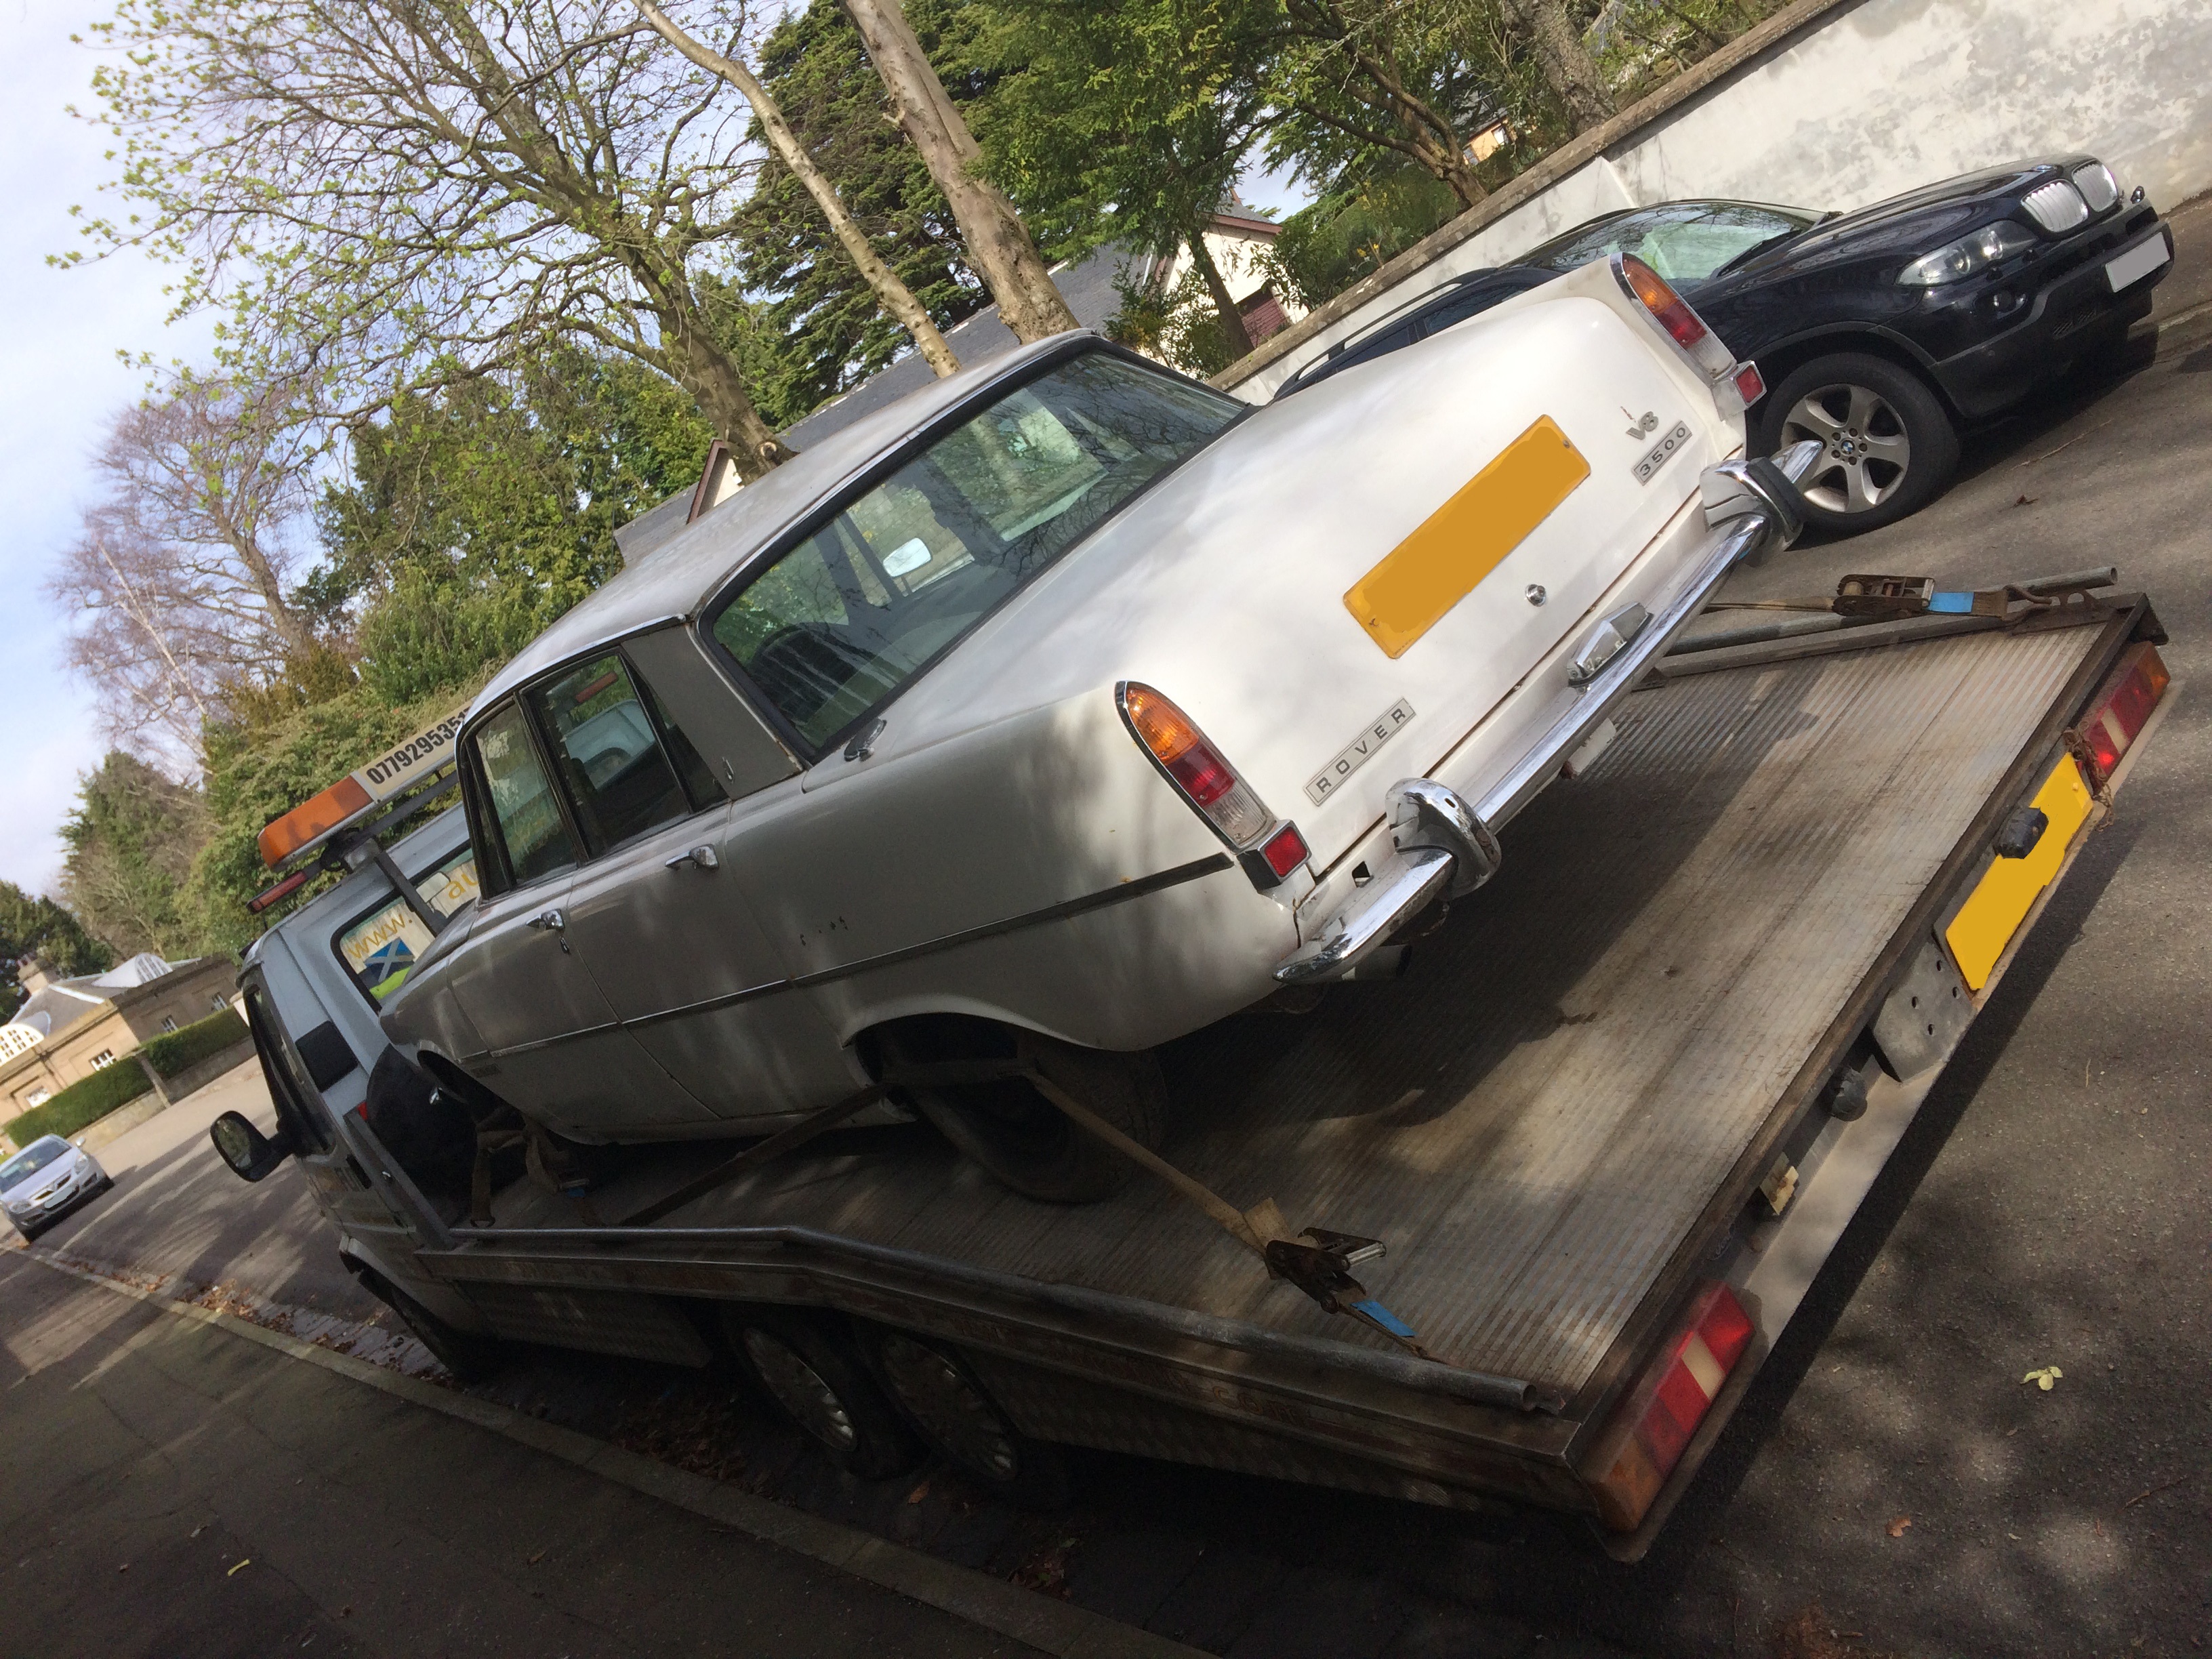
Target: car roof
[677, 578]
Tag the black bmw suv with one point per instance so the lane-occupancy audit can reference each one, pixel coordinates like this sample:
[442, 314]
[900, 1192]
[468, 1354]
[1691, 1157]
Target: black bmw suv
[1882, 333]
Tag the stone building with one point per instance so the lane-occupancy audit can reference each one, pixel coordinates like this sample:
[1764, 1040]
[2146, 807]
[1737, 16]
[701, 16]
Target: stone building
[68, 1029]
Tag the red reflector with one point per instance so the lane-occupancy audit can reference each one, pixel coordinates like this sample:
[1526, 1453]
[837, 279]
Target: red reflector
[282, 891]
[305, 822]
[2119, 711]
[1284, 850]
[1674, 314]
[1748, 384]
[1656, 1424]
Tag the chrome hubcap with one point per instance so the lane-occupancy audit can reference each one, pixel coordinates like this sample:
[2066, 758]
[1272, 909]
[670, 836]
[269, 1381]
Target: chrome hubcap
[948, 1408]
[1864, 452]
[799, 1390]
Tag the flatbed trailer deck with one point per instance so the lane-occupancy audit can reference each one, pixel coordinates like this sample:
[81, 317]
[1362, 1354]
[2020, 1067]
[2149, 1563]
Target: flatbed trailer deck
[1607, 1083]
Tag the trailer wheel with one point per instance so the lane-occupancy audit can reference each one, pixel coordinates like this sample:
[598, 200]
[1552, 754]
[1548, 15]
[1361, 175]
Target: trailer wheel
[470, 1357]
[949, 1409]
[1024, 1140]
[821, 1385]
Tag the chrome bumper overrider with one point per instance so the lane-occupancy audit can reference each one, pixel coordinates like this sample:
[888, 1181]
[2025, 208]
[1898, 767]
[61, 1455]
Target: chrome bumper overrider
[1445, 845]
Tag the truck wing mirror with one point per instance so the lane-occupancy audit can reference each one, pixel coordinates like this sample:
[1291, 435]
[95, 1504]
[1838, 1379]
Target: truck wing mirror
[249, 1154]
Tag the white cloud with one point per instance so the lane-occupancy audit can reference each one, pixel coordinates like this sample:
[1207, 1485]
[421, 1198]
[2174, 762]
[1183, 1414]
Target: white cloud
[60, 379]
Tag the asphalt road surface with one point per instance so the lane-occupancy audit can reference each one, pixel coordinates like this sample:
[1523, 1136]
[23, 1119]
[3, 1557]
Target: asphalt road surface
[1891, 1486]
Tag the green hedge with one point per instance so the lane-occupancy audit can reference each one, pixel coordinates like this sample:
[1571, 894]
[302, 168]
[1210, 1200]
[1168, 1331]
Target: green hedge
[174, 1051]
[117, 1083]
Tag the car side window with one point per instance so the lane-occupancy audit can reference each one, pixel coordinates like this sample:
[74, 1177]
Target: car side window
[606, 745]
[533, 835]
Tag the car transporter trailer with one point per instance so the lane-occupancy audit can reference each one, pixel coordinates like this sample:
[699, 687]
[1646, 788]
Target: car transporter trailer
[1552, 1197]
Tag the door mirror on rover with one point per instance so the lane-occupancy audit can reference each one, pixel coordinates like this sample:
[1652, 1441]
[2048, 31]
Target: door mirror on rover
[249, 1154]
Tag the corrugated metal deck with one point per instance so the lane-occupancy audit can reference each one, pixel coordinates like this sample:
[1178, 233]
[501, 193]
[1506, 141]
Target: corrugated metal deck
[1535, 1118]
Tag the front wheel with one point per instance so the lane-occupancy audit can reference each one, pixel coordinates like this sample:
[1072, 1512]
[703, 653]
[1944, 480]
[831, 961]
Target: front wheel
[1024, 1140]
[1887, 446]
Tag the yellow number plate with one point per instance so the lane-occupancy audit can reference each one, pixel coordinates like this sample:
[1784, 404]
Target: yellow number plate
[1465, 538]
[1978, 935]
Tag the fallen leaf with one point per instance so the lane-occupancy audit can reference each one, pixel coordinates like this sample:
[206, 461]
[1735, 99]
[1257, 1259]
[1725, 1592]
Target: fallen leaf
[536, 1558]
[2027, 501]
[918, 1493]
[1897, 1526]
[2044, 1377]
[126, 1567]
[233, 1572]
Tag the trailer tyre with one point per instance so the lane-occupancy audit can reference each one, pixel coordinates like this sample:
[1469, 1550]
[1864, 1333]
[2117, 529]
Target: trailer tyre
[818, 1382]
[1024, 1140]
[470, 1357]
[949, 1409]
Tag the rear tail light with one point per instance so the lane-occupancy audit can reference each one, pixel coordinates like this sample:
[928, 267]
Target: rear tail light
[1672, 312]
[1271, 849]
[2118, 712]
[1654, 1426]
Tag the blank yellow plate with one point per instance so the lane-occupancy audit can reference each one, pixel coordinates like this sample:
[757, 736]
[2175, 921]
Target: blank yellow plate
[1465, 538]
[1978, 935]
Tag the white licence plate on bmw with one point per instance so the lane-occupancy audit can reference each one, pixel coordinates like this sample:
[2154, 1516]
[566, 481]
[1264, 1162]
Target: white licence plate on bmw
[2137, 262]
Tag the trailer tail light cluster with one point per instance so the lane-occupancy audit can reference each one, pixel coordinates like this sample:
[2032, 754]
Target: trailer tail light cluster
[1269, 848]
[1672, 312]
[2117, 714]
[1665, 1408]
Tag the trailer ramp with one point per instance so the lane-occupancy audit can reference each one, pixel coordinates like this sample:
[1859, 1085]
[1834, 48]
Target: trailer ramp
[1577, 1072]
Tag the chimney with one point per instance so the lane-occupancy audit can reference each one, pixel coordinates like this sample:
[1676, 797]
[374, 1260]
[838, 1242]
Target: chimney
[35, 974]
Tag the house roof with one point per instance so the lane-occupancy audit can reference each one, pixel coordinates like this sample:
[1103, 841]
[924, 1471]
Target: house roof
[56, 1006]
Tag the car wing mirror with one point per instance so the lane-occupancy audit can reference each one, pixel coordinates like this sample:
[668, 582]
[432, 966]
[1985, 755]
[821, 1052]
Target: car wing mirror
[249, 1154]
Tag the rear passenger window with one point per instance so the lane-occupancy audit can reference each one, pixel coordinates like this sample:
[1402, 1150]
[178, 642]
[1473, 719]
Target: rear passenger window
[613, 766]
[527, 819]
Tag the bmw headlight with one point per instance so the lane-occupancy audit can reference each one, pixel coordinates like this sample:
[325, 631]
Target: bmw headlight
[1969, 254]
[2098, 187]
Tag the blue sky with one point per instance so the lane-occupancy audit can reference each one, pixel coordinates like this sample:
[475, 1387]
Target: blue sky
[59, 367]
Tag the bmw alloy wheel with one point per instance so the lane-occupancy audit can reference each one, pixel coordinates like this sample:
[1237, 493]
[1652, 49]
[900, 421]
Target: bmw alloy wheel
[1866, 453]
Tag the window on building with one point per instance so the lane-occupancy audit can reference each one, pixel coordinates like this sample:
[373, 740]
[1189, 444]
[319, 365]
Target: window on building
[37, 1098]
[168, 1022]
[105, 1057]
[218, 1002]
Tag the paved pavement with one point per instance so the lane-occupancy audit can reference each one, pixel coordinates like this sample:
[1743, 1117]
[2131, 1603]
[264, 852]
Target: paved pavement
[173, 1490]
[2053, 1206]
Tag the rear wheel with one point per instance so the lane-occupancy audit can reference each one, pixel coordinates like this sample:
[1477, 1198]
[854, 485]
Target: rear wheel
[1886, 444]
[816, 1378]
[949, 1409]
[471, 1357]
[1015, 1132]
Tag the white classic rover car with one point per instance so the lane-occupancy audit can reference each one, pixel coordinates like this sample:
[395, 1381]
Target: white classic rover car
[1065, 707]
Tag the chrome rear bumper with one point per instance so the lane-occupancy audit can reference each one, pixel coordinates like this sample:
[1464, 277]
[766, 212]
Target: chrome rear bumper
[1445, 844]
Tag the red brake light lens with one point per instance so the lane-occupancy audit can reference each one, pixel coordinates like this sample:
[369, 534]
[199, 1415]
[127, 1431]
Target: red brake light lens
[2117, 714]
[1663, 1412]
[1672, 312]
[1195, 765]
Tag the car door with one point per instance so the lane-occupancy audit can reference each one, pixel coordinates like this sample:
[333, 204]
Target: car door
[661, 916]
[553, 1043]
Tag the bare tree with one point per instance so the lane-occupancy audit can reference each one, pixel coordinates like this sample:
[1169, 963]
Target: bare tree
[403, 192]
[997, 242]
[895, 296]
[178, 587]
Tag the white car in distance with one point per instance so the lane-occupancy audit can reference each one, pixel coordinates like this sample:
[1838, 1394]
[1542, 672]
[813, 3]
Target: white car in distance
[1059, 710]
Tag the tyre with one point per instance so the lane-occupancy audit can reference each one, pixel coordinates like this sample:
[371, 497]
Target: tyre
[816, 1378]
[1024, 1140]
[1888, 445]
[950, 1410]
[469, 1355]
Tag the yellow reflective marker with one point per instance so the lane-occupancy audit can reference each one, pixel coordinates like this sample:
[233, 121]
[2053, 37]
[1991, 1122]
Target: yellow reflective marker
[1978, 935]
[1465, 538]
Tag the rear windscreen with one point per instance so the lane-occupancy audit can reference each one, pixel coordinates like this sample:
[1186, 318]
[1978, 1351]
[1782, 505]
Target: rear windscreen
[379, 948]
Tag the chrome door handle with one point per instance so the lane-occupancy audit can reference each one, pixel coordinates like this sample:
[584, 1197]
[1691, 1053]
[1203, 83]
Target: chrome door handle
[703, 856]
[549, 922]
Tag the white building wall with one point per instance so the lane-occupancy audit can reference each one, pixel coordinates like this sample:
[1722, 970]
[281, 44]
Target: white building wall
[1876, 99]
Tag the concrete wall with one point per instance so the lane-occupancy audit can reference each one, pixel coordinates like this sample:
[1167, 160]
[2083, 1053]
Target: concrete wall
[1872, 98]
